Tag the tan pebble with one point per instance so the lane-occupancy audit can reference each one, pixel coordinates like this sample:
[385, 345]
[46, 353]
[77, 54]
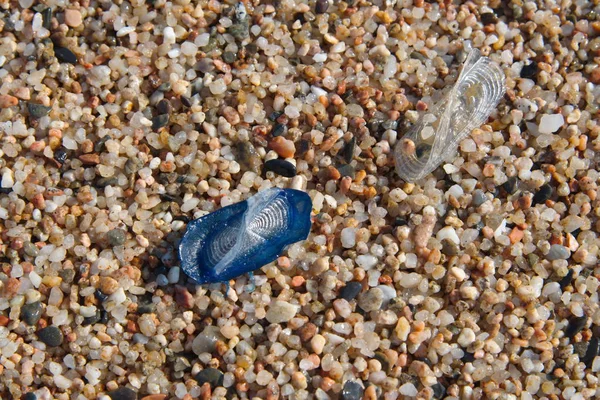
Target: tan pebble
[73, 18]
[8, 101]
[307, 332]
[284, 147]
[11, 287]
[318, 343]
[345, 184]
[333, 173]
[51, 281]
[155, 397]
[23, 93]
[108, 285]
[38, 201]
[37, 145]
[370, 393]
[297, 281]
[90, 159]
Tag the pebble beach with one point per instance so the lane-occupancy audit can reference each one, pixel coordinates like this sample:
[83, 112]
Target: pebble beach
[121, 121]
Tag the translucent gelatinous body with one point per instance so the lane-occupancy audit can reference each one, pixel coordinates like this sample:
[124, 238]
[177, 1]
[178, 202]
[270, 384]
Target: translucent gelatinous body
[435, 136]
[243, 237]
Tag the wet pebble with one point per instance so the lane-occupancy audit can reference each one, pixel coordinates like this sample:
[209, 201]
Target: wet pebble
[51, 336]
[60, 155]
[164, 107]
[32, 312]
[94, 319]
[352, 390]
[592, 351]
[281, 167]
[279, 130]
[488, 18]
[123, 393]
[351, 290]
[116, 237]
[213, 376]
[65, 55]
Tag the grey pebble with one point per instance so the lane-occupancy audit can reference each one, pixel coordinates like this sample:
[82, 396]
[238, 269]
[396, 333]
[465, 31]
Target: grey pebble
[51, 336]
[160, 121]
[37, 111]
[352, 390]
[351, 290]
[116, 237]
[558, 252]
[213, 376]
[479, 198]
[31, 313]
[371, 300]
[123, 393]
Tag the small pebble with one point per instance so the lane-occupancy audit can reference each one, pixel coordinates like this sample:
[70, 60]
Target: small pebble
[65, 55]
[371, 300]
[558, 252]
[160, 121]
[213, 376]
[73, 18]
[352, 390]
[123, 393]
[38, 111]
[32, 312]
[351, 290]
[529, 71]
[284, 147]
[51, 336]
[281, 167]
[321, 6]
[511, 185]
[116, 237]
[281, 311]
[575, 325]
[543, 194]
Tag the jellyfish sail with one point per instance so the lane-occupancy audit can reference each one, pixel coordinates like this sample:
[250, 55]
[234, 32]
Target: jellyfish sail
[435, 136]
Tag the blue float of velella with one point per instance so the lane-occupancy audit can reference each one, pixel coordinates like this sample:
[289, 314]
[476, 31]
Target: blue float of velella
[245, 236]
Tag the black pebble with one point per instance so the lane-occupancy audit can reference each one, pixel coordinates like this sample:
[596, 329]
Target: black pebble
[439, 391]
[30, 396]
[351, 290]
[543, 194]
[281, 167]
[400, 221]
[103, 317]
[94, 319]
[47, 18]
[278, 130]
[100, 144]
[159, 121]
[51, 336]
[347, 152]
[101, 297]
[123, 393]
[211, 375]
[511, 185]
[31, 313]
[37, 111]
[488, 18]
[186, 101]
[593, 350]
[468, 357]
[60, 155]
[566, 280]
[65, 55]
[576, 324]
[352, 390]
[321, 6]
[529, 71]
[164, 107]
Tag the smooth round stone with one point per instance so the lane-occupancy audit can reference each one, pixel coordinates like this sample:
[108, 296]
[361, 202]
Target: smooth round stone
[31, 313]
[116, 237]
[352, 390]
[51, 336]
[213, 376]
[558, 252]
[351, 290]
[123, 393]
[30, 396]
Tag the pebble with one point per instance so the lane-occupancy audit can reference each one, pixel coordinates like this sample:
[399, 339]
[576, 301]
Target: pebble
[371, 300]
[558, 252]
[279, 130]
[116, 237]
[123, 393]
[160, 121]
[321, 6]
[351, 290]
[282, 146]
[281, 311]
[592, 351]
[8, 101]
[73, 18]
[30, 396]
[479, 198]
[511, 185]
[212, 376]
[544, 193]
[352, 390]
[439, 391]
[529, 71]
[206, 342]
[38, 111]
[65, 55]
[408, 389]
[51, 336]
[551, 123]
[32, 312]
[281, 167]
[248, 157]
[575, 325]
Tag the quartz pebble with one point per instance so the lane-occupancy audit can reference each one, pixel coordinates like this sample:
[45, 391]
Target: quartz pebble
[371, 300]
[281, 311]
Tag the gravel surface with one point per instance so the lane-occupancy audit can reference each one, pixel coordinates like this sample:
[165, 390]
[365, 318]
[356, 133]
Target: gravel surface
[122, 121]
